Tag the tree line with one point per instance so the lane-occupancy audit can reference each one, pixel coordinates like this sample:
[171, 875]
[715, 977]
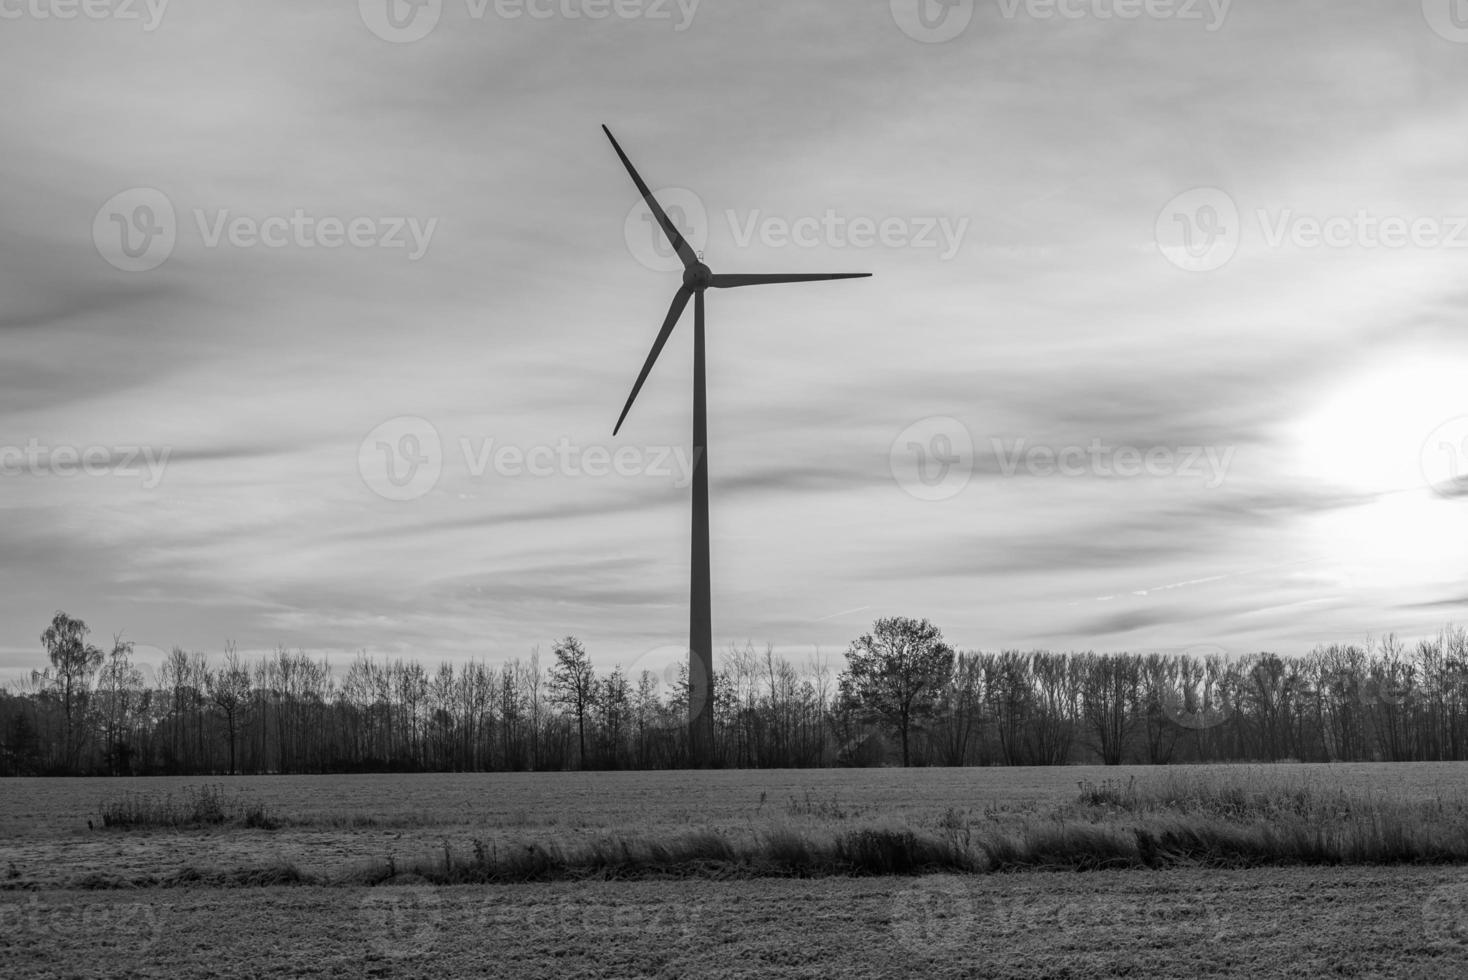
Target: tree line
[900, 695]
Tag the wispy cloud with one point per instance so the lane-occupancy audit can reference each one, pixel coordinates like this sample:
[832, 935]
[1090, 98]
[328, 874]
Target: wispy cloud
[1055, 323]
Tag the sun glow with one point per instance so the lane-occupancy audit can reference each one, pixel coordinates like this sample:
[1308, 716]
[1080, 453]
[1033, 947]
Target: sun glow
[1391, 438]
[1382, 431]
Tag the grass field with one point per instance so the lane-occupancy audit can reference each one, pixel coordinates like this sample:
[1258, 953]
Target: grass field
[70, 891]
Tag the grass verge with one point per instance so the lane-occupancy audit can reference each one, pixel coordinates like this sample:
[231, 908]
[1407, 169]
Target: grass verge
[197, 806]
[1175, 821]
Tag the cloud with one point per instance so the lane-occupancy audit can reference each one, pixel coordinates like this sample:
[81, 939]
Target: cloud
[1460, 603]
[1057, 322]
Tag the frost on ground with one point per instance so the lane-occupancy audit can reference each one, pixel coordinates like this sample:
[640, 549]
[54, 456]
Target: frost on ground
[1258, 923]
[1390, 921]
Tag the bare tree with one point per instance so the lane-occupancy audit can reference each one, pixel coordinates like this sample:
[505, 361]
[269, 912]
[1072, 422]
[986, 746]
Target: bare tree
[574, 685]
[229, 689]
[897, 672]
[960, 711]
[73, 662]
[1110, 688]
[114, 702]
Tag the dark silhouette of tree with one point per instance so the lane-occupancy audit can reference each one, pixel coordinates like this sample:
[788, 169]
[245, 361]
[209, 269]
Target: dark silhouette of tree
[73, 662]
[20, 753]
[285, 712]
[1110, 694]
[960, 711]
[1009, 693]
[229, 690]
[573, 685]
[898, 672]
[115, 701]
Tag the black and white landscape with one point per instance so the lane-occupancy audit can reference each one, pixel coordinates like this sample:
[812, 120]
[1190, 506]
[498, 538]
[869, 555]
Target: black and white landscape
[421, 550]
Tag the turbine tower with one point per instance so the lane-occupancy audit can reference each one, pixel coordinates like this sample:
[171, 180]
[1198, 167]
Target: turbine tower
[697, 278]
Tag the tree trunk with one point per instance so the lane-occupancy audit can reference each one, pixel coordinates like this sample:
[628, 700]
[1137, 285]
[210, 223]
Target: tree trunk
[906, 724]
[581, 735]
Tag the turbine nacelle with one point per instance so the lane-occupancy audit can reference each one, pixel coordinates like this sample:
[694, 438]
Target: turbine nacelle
[698, 276]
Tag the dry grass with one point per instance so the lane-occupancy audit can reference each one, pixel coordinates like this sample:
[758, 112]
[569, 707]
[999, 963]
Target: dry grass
[733, 824]
[1197, 821]
[612, 875]
[1227, 819]
[31, 808]
[196, 806]
[777, 852]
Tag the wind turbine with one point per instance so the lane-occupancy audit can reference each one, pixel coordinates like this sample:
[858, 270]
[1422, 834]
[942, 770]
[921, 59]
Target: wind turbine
[697, 278]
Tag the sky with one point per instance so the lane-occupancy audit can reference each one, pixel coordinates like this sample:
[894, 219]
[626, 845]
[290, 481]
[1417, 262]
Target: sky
[316, 320]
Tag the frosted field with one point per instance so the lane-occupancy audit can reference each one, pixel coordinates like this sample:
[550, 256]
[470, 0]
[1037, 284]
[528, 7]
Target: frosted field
[65, 898]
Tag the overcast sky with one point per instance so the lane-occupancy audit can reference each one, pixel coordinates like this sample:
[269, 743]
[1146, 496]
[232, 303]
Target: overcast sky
[1165, 347]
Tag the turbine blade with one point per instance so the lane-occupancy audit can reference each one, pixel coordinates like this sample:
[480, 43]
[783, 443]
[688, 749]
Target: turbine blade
[675, 238]
[734, 282]
[680, 303]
